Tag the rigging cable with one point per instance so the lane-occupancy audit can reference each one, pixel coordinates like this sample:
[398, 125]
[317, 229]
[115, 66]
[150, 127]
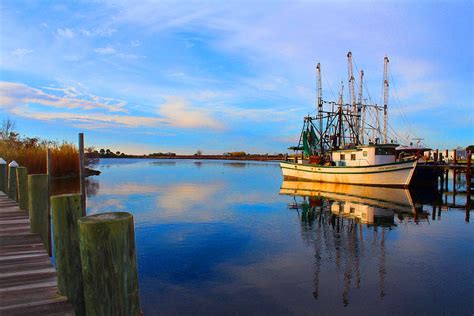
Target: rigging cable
[398, 104]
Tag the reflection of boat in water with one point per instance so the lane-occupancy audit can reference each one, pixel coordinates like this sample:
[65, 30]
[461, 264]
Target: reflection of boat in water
[366, 204]
[347, 226]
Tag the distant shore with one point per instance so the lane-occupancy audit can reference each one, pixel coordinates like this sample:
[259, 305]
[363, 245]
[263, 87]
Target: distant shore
[204, 157]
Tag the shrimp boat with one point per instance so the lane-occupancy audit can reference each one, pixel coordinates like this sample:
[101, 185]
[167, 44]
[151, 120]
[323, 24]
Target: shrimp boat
[345, 142]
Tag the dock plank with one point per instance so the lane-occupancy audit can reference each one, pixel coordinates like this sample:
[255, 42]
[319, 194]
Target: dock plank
[28, 281]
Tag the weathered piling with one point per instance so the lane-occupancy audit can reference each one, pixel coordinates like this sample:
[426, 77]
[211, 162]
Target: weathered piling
[3, 176]
[455, 157]
[66, 210]
[468, 185]
[22, 183]
[38, 206]
[82, 177]
[468, 172]
[49, 160]
[12, 186]
[107, 245]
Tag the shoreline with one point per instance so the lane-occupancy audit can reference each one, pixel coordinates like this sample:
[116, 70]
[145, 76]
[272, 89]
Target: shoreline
[204, 157]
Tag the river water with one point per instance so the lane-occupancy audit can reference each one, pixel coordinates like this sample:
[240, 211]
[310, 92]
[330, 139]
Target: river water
[221, 237]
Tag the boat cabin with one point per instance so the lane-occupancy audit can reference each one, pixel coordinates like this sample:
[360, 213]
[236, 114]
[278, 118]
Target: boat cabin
[365, 155]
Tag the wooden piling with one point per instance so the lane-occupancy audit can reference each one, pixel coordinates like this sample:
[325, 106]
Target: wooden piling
[468, 172]
[107, 245]
[468, 185]
[38, 206]
[49, 161]
[455, 157]
[446, 155]
[12, 186]
[66, 210]
[3, 176]
[22, 183]
[82, 177]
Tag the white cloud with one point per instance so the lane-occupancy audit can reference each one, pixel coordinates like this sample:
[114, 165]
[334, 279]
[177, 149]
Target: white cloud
[15, 94]
[65, 32]
[180, 113]
[99, 31]
[108, 50]
[92, 120]
[21, 52]
[18, 98]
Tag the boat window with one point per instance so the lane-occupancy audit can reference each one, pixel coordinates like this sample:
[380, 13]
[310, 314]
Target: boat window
[343, 157]
[364, 153]
[353, 156]
[385, 151]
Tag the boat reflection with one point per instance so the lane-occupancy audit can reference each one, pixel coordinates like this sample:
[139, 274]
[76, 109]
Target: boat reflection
[367, 205]
[347, 226]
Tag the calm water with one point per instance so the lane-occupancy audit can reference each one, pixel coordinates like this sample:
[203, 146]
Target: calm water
[218, 237]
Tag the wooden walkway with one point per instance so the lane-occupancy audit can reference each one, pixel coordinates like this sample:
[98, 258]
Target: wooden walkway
[27, 278]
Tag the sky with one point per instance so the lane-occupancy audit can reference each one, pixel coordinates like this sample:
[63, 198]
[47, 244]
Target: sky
[219, 76]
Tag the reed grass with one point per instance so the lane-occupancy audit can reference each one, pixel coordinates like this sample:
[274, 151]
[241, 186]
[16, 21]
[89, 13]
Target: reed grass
[65, 157]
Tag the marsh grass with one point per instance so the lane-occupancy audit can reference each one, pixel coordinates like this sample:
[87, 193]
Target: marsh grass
[65, 157]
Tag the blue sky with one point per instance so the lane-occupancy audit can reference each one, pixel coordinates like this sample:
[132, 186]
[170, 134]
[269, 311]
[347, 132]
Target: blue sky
[149, 76]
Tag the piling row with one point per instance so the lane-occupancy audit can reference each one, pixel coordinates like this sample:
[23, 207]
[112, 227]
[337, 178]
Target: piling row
[28, 281]
[95, 255]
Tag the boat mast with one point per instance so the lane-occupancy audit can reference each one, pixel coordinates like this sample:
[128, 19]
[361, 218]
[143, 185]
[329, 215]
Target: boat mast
[352, 96]
[361, 108]
[341, 122]
[319, 89]
[385, 98]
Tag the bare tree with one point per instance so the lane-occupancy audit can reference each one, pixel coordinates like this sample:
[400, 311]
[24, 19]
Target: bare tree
[8, 129]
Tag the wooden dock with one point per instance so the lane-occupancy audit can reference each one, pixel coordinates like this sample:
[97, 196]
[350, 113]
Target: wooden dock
[28, 284]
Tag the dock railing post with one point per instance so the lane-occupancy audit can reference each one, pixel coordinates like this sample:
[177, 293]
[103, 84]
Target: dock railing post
[3, 176]
[468, 172]
[107, 243]
[22, 183]
[49, 172]
[38, 206]
[12, 186]
[82, 178]
[66, 210]
[468, 184]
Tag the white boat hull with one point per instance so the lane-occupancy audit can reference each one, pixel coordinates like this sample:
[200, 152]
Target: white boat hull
[388, 175]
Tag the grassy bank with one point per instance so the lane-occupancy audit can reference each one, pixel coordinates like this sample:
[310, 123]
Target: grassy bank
[32, 155]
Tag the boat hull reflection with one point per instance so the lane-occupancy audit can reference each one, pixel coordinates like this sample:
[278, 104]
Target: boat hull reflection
[366, 204]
